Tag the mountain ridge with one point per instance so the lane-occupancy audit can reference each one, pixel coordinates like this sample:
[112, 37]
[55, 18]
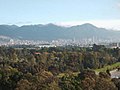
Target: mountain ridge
[51, 31]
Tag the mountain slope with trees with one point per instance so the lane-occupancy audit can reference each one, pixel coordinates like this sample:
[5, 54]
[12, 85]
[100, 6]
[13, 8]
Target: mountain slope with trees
[51, 31]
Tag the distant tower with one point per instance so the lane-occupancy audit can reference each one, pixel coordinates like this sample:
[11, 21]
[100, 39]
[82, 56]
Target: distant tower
[74, 37]
[93, 39]
[117, 44]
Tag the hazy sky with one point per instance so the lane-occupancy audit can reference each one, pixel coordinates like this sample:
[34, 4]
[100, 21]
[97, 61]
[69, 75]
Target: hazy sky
[103, 13]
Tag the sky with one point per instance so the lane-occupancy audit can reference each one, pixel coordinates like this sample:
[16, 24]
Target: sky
[102, 13]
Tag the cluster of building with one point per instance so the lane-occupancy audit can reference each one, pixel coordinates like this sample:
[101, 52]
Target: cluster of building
[88, 42]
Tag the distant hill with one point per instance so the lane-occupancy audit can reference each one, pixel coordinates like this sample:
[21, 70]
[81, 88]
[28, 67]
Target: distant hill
[51, 31]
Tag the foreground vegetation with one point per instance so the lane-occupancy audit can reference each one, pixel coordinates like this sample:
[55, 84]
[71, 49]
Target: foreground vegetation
[55, 68]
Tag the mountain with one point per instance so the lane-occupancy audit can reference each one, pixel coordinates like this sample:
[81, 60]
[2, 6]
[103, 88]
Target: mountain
[51, 31]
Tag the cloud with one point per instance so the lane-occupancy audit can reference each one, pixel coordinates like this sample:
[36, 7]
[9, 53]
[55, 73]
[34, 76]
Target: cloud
[108, 24]
[19, 23]
[118, 5]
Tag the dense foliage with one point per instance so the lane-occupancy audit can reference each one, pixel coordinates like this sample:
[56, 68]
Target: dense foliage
[39, 69]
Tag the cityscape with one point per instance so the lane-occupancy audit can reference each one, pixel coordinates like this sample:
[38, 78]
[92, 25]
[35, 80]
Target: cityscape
[87, 42]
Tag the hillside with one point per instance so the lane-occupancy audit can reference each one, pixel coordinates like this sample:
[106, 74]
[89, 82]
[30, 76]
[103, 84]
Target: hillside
[51, 31]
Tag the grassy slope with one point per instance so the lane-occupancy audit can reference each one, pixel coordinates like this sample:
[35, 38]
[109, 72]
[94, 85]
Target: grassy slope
[110, 67]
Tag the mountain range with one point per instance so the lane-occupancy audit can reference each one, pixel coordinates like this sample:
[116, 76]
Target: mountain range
[52, 32]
